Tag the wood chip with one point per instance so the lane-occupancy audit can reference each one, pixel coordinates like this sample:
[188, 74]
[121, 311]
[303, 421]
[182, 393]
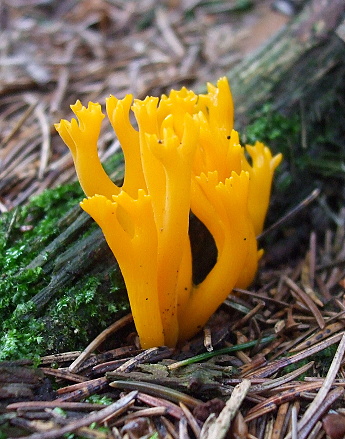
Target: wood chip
[222, 424]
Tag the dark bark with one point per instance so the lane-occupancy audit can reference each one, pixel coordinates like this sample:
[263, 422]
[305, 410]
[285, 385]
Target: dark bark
[295, 64]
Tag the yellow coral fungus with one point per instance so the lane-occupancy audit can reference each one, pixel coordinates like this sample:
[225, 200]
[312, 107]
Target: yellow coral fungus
[185, 156]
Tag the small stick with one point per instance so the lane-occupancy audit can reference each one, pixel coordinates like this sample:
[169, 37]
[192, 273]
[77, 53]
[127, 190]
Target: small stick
[280, 420]
[306, 300]
[294, 432]
[223, 422]
[191, 420]
[145, 356]
[157, 391]
[312, 259]
[294, 211]
[208, 339]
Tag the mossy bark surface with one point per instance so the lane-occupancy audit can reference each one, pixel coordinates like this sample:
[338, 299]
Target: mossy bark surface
[60, 285]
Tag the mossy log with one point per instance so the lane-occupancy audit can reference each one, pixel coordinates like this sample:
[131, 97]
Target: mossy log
[300, 74]
[291, 68]
[304, 62]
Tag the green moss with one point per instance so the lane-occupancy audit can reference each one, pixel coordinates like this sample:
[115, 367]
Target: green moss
[294, 366]
[99, 399]
[80, 305]
[79, 315]
[24, 233]
[323, 360]
[282, 134]
[313, 157]
[312, 148]
[272, 127]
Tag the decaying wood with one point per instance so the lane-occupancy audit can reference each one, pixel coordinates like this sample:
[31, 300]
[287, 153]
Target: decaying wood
[294, 65]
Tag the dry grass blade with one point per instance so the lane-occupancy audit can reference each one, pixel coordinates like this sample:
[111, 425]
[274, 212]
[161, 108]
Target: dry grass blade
[79, 391]
[65, 51]
[248, 316]
[294, 429]
[191, 420]
[170, 36]
[208, 339]
[59, 358]
[64, 374]
[152, 411]
[98, 340]
[157, 390]
[81, 385]
[183, 431]
[170, 428]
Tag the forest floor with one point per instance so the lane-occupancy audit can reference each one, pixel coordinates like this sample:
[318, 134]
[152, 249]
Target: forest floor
[272, 363]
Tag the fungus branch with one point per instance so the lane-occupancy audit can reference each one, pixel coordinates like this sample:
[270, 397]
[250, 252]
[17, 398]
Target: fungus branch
[185, 156]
